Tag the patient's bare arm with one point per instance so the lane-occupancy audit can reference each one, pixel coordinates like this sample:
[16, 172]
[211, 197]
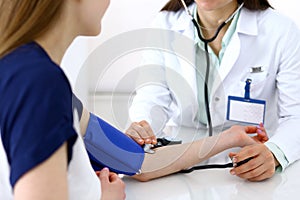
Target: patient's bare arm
[170, 159]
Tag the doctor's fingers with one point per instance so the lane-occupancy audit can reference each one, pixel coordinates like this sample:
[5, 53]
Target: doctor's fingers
[134, 135]
[139, 134]
[149, 130]
[262, 133]
[250, 129]
[262, 162]
[262, 136]
[249, 169]
[253, 150]
[258, 174]
[267, 174]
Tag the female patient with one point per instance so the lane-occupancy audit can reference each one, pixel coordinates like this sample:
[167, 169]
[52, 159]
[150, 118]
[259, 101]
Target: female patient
[41, 155]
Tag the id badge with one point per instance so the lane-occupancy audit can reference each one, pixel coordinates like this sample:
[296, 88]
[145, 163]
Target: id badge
[246, 110]
[250, 111]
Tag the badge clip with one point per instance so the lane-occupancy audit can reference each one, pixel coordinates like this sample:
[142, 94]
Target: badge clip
[247, 89]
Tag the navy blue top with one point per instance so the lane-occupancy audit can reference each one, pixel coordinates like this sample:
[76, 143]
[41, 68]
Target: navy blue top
[36, 115]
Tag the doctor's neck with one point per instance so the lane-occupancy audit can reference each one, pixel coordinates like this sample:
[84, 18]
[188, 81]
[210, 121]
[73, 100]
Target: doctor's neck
[210, 19]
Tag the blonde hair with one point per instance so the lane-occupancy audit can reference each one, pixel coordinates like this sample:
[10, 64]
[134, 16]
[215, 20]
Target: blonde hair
[22, 21]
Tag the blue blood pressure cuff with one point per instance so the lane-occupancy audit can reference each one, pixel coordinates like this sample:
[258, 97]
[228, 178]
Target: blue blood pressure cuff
[109, 147]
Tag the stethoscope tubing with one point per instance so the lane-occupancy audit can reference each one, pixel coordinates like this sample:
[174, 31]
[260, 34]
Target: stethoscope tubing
[206, 41]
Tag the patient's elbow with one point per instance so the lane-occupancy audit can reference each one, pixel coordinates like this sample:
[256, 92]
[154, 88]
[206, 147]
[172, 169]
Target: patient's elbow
[141, 177]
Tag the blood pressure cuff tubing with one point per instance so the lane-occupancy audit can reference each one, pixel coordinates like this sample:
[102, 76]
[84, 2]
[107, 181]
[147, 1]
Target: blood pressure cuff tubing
[109, 147]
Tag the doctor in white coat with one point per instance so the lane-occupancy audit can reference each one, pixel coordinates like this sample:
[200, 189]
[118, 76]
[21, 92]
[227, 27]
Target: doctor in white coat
[258, 43]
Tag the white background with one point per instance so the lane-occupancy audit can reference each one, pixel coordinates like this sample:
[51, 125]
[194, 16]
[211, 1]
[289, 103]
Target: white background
[121, 16]
[125, 15]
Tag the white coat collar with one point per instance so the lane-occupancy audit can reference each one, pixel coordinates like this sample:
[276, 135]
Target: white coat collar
[247, 23]
[183, 24]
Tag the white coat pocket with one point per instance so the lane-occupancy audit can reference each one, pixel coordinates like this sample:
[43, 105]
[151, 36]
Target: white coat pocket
[259, 77]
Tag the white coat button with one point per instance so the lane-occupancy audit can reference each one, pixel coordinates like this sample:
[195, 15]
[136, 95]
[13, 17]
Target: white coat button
[217, 99]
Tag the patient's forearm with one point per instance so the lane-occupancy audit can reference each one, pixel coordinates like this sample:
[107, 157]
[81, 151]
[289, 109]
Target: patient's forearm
[170, 159]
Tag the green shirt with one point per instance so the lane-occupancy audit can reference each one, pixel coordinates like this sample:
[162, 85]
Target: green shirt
[215, 62]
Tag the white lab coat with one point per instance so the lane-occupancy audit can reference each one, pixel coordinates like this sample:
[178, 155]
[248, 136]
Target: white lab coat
[262, 38]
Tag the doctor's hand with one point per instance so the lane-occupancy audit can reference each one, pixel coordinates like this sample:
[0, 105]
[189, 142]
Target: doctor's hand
[112, 186]
[141, 132]
[260, 167]
[247, 135]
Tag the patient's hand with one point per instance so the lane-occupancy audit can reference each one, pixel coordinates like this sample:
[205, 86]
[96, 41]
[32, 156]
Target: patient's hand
[112, 187]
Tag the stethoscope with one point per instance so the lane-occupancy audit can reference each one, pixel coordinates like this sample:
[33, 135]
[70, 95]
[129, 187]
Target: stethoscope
[206, 41]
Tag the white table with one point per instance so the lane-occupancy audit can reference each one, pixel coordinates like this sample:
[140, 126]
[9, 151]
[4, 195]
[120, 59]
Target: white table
[216, 184]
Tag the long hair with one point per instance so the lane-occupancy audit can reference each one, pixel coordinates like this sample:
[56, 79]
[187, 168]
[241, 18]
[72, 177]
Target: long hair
[175, 5]
[22, 21]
